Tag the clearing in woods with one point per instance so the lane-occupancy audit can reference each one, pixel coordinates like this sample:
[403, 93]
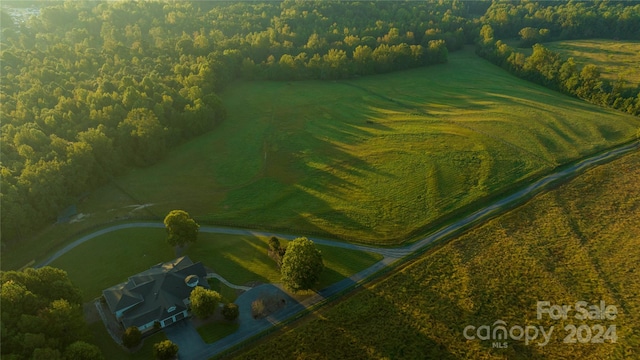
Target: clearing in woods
[374, 159]
[613, 58]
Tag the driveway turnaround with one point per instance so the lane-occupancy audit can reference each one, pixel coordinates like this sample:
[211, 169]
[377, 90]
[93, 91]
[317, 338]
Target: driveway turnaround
[187, 338]
[249, 326]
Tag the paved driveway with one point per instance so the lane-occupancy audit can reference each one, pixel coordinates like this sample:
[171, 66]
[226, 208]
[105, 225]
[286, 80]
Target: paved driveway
[186, 337]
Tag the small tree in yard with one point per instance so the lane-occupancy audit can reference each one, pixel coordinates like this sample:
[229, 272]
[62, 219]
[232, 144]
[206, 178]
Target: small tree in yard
[131, 337]
[204, 302]
[301, 265]
[165, 350]
[230, 311]
[276, 252]
[181, 228]
[274, 244]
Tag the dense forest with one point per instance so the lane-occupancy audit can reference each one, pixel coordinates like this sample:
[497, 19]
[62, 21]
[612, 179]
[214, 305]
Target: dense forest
[42, 317]
[90, 89]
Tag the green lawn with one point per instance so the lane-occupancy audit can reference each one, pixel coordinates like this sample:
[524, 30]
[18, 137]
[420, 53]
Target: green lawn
[372, 159]
[111, 258]
[215, 331]
[228, 294]
[579, 242]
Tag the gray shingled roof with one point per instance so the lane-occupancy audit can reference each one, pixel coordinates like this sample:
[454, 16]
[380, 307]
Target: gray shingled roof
[154, 291]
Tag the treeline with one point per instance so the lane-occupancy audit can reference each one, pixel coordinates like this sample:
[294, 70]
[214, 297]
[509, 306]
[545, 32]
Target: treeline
[89, 89]
[549, 68]
[565, 20]
[42, 317]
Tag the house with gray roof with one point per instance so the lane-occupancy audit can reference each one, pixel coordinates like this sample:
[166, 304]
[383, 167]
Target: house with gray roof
[158, 295]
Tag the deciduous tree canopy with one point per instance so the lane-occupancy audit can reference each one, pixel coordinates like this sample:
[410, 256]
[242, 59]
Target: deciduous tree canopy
[181, 228]
[131, 337]
[165, 350]
[301, 265]
[42, 316]
[538, 22]
[204, 302]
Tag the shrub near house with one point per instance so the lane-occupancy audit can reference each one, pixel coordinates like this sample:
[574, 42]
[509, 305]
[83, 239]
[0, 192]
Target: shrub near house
[204, 302]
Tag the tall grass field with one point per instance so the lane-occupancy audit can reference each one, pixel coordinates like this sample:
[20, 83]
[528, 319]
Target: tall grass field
[580, 242]
[374, 159]
[613, 58]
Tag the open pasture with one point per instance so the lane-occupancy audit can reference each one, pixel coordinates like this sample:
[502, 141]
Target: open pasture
[373, 159]
[576, 243]
[614, 58]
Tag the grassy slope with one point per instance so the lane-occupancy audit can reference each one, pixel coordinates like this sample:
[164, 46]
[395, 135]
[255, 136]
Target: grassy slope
[370, 159]
[578, 242]
[354, 161]
[614, 58]
[110, 259]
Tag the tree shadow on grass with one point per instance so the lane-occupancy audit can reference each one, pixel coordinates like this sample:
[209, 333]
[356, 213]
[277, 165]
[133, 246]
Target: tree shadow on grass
[239, 259]
[312, 163]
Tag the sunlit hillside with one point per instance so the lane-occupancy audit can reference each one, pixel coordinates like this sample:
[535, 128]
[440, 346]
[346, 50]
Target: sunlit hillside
[577, 243]
[378, 158]
[616, 59]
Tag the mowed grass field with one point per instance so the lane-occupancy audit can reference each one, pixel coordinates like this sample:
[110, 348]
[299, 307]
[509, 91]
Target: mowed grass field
[373, 159]
[111, 258]
[579, 242]
[614, 58]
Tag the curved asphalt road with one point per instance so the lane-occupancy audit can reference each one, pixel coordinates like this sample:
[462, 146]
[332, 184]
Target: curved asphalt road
[390, 255]
[398, 252]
